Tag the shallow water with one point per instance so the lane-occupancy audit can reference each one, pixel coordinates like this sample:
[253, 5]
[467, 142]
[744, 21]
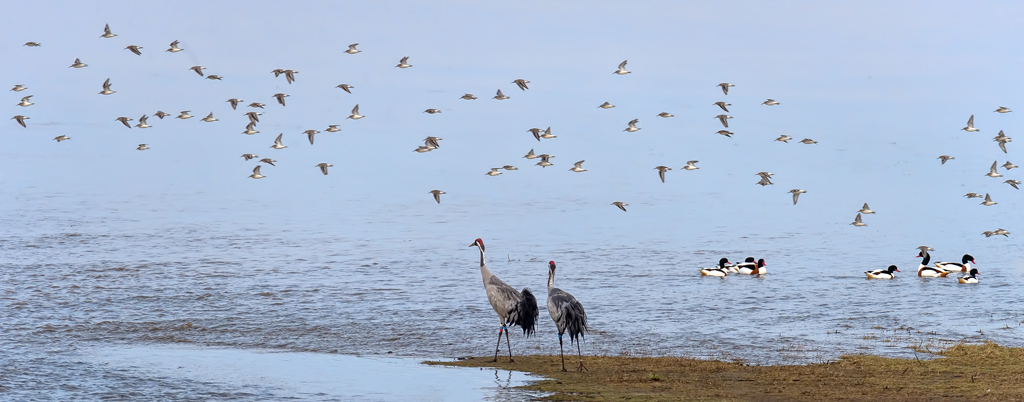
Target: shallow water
[89, 281]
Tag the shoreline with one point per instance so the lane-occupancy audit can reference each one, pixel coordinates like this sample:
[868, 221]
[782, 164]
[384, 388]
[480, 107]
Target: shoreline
[983, 371]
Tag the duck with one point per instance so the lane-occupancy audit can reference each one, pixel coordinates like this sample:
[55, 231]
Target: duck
[734, 268]
[971, 278]
[752, 269]
[882, 273]
[929, 272]
[721, 271]
[963, 266]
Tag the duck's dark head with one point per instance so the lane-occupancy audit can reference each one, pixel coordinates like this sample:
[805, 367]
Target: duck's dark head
[968, 257]
[749, 259]
[892, 268]
[760, 262]
[722, 262]
[974, 271]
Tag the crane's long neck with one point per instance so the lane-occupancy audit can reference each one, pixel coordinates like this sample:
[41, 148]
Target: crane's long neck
[551, 278]
[484, 272]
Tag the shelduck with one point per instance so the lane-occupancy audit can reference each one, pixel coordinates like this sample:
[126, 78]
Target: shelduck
[721, 271]
[749, 268]
[972, 278]
[963, 266]
[883, 273]
[929, 272]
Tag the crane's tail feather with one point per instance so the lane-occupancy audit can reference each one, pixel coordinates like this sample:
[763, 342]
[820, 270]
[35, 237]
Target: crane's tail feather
[576, 321]
[526, 313]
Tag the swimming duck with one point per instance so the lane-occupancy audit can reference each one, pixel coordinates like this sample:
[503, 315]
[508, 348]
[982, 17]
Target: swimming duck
[720, 271]
[925, 271]
[883, 273]
[748, 268]
[963, 266]
[972, 278]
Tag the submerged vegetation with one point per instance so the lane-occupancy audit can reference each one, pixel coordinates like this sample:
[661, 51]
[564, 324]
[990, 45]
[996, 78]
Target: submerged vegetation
[962, 372]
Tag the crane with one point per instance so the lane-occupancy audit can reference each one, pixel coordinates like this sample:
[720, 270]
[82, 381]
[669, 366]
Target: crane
[568, 315]
[513, 307]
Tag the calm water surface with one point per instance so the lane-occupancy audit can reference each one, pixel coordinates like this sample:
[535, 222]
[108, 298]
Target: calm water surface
[85, 280]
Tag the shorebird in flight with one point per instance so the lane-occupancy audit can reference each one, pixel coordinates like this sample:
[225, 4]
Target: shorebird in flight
[865, 210]
[25, 101]
[621, 205]
[723, 105]
[770, 102]
[249, 156]
[500, 96]
[796, 194]
[20, 119]
[78, 64]
[124, 120]
[280, 98]
[184, 115]
[622, 68]
[160, 114]
[725, 87]
[250, 129]
[988, 201]
[404, 63]
[209, 118]
[135, 49]
[665, 115]
[142, 147]
[268, 161]
[333, 128]
[578, 167]
[142, 122]
[437, 195]
[279, 145]
[632, 126]
[257, 105]
[60, 138]
[691, 165]
[493, 172]
[858, 222]
[808, 141]
[784, 138]
[726, 133]
[32, 44]
[256, 172]
[107, 33]
[309, 135]
[992, 172]
[468, 97]
[234, 103]
[661, 171]
[724, 118]
[1013, 183]
[1002, 110]
[106, 88]
[213, 77]
[198, 69]
[19, 88]
[323, 167]
[970, 125]
[521, 83]
[1008, 165]
[345, 87]
[352, 49]
[432, 111]
[355, 113]
[174, 47]
[606, 105]
[945, 158]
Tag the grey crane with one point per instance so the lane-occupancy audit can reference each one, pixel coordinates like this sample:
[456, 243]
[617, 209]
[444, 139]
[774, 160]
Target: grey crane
[513, 307]
[568, 315]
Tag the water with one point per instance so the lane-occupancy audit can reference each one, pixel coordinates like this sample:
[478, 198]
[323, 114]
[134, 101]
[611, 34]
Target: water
[89, 279]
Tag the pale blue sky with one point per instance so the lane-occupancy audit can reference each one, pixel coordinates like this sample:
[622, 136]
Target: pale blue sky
[884, 87]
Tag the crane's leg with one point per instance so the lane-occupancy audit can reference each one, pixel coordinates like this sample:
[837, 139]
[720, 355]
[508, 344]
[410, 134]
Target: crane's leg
[580, 354]
[509, 347]
[498, 346]
[561, 352]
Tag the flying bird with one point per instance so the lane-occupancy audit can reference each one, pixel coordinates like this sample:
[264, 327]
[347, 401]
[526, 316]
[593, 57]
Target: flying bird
[1013, 183]
[25, 101]
[725, 87]
[621, 205]
[493, 172]
[209, 118]
[310, 134]
[770, 102]
[726, 133]
[184, 115]
[249, 156]
[970, 125]
[213, 77]
[404, 63]
[345, 87]
[268, 161]
[142, 147]
[257, 105]
[691, 165]
[135, 49]
[468, 97]
[1008, 165]
[723, 105]
[60, 138]
[500, 96]
[808, 141]
[174, 47]
[547, 134]
[107, 33]
[796, 194]
[988, 201]
[622, 68]
[234, 103]
[632, 126]
[992, 171]
[333, 128]
[279, 145]
[858, 222]
[513, 307]
[106, 88]
[437, 195]
[142, 122]
[323, 167]
[568, 315]
[280, 97]
[78, 64]
[124, 120]
[665, 115]
[160, 114]
[1002, 110]
[784, 138]
[578, 167]
[198, 69]
[521, 83]
[250, 129]
[352, 49]
[509, 167]
[606, 105]
[256, 172]
[530, 155]
[865, 209]
[972, 195]
[355, 113]
[19, 88]
[945, 158]
[32, 44]
[661, 171]
[724, 118]
[433, 141]
[254, 117]
[20, 119]
[432, 111]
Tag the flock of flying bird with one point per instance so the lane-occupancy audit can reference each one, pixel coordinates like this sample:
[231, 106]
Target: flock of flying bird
[520, 308]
